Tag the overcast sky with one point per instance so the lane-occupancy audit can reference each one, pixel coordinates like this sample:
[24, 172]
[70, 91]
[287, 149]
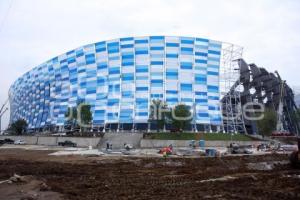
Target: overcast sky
[34, 31]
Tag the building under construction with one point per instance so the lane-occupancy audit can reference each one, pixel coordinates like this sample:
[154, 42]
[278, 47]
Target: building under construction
[256, 86]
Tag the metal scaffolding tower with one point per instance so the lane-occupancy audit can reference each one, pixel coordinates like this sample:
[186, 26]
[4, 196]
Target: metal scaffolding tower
[233, 121]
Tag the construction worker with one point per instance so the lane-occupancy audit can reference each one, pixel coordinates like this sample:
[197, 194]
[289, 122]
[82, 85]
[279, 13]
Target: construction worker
[107, 145]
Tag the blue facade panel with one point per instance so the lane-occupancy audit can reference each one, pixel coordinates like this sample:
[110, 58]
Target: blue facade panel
[119, 78]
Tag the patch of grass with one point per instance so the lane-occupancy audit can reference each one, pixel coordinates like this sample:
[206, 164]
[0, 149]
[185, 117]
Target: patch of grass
[198, 136]
[226, 137]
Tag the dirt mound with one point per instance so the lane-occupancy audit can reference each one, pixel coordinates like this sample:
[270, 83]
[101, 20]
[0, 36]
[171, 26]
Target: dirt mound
[26, 188]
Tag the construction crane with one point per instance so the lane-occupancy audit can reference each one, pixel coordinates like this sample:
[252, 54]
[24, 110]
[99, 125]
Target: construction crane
[3, 109]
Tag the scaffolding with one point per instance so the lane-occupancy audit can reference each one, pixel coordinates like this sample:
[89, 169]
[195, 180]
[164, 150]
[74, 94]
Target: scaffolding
[230, 89]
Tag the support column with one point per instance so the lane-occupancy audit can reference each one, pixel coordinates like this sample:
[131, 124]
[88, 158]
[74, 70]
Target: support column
[218, 129]
[133, 127]
[104, 127]
[223, 128]
[149, 126]
[195, 127]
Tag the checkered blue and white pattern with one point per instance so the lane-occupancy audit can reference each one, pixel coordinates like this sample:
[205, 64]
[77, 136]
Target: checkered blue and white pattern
[118, 78]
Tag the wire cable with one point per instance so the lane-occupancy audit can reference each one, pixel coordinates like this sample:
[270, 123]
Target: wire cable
[5, 16]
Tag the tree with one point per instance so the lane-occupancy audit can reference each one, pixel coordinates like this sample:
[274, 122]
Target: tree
[296, 115]
[158, 114]
[79, 116]
[19, 127]
[181, 117]
[71, 116]
[268, 123]
[85, 115]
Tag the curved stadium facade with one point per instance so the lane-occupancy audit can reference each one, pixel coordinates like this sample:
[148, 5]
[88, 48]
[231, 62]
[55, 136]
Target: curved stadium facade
[119, 78]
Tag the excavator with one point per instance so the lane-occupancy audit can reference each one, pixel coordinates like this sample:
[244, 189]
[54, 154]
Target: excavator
[295, 156]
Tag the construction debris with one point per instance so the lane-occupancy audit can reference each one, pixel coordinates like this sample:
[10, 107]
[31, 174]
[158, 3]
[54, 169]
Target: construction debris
[295, 156]
[265, 166]
[225, 178]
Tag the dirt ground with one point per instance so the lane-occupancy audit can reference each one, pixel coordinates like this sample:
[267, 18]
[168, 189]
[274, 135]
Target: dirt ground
[46, 177]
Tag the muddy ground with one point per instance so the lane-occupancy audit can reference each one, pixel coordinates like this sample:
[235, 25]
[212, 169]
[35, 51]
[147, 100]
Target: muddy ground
[74, 177]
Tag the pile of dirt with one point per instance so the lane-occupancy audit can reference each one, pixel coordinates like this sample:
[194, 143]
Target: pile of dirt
[26, 188]
[153, 178]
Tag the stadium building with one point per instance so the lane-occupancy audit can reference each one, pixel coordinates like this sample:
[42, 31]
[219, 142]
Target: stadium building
[120, 77]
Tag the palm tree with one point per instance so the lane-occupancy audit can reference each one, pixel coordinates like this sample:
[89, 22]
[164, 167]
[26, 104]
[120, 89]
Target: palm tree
[158, 114]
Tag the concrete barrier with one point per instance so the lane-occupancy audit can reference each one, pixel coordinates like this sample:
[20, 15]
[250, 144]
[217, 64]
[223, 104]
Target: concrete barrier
[81, 141]
[49, 141]
[148, 143]
[53, 140]
[27, 139]
[118, 139]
